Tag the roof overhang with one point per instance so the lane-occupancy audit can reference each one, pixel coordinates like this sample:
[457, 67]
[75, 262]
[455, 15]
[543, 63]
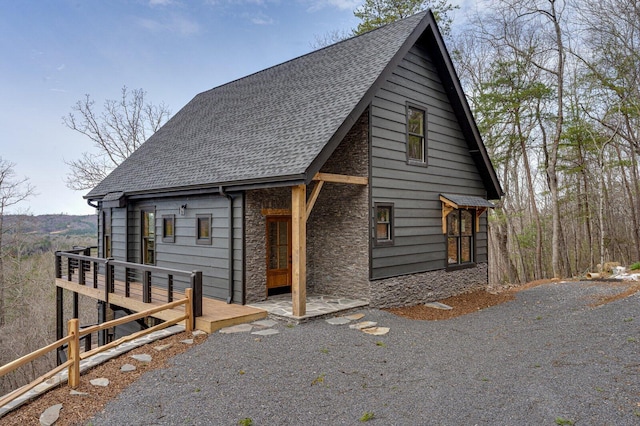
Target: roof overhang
[114, 199]
[451, 202]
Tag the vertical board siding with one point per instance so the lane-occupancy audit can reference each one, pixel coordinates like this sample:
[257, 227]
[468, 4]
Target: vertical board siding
[184, 253]
[419, 244]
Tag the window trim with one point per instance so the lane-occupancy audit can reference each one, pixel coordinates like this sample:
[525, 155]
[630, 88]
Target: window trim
[143, 211]
[391, 225]
[172, 237]
[472, 262]
[414, 161]
[107, 240]
[199, 239]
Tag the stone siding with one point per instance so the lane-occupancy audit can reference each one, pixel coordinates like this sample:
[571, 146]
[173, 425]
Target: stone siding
[337, 230]
[255, 248]
[426, 287]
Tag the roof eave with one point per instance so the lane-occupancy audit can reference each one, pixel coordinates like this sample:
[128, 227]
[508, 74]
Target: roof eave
[233, 186]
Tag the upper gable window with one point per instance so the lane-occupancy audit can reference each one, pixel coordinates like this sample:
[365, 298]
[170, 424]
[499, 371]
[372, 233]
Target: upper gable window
[416, 131]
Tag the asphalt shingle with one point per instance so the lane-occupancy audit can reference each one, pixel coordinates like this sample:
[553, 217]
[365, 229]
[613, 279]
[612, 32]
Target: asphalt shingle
[262, 127]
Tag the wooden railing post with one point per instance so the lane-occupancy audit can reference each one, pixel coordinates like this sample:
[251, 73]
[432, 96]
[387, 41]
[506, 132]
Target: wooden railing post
[81, 275]
[108, 272]
[69, 269]
[96, 267]
[190, 321]
[127, 282]
[196, 286]
[74, 353]
[58, 265]
[146, 287]
[59, 320]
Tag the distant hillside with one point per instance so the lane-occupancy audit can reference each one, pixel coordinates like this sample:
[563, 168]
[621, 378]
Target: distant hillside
[52, 224]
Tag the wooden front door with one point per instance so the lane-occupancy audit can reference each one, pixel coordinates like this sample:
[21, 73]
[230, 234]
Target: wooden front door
[278, 252]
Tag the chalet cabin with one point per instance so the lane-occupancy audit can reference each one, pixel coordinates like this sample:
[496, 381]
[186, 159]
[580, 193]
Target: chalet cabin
[356, 170]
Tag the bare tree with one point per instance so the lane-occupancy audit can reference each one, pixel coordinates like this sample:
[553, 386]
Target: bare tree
[12, 191]
[116, 132]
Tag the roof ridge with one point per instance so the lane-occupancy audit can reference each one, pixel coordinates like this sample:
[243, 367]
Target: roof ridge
[424, 12]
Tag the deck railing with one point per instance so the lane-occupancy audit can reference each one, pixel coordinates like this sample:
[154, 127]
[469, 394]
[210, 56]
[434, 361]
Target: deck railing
[74, 334]
[133, 279]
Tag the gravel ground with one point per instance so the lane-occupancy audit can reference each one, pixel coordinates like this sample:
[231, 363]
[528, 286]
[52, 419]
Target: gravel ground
[544, 358]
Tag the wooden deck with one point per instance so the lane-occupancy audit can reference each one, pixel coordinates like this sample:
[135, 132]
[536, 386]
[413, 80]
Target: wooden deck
[215, 313]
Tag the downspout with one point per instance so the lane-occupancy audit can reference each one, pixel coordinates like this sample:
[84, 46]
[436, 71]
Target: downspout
[230, 198]
[95, 206]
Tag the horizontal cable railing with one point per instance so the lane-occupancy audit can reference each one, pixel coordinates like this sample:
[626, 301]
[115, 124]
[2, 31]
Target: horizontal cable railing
[145, 283]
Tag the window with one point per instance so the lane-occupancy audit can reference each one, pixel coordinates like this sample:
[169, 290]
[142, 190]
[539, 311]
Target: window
[148, 237]
[106, 233]
[203, 229]
[460, 244]
[416, 145]
[168, 229]
[384, 224]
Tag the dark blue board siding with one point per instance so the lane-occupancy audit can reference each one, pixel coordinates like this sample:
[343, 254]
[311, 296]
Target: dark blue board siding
[184, 253]
[419, 244]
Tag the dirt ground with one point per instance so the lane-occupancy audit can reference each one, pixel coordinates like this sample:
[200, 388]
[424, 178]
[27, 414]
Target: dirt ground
[78, 409]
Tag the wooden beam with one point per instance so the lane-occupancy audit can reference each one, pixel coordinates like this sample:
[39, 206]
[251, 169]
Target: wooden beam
[314, 197]
[446, 209]
[330, 177]
[276, 212]
[299, 249]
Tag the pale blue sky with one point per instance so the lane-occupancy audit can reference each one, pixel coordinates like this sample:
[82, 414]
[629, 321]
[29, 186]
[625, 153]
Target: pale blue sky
[55, 52]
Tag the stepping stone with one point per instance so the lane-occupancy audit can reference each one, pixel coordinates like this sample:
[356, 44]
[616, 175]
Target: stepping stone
[438, 305]
[338, 321]
[104, 382]
[127, 367]
[198, 333]
[354, 317]
[142, 357]
[161, 348]
[265, 323]
[363, 325]
[266, 332]
[376, 331]
[187, 341]
[240, 328]
[50, 415]
[77, 393]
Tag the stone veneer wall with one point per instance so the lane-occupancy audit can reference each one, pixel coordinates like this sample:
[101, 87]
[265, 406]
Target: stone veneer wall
[255, 226]
[337, 230]
[426, 287]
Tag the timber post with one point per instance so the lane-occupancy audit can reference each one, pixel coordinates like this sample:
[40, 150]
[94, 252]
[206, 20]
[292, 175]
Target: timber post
[299, 249]
[59, 317]
[74, 353]
[196, 286]
[190, 321]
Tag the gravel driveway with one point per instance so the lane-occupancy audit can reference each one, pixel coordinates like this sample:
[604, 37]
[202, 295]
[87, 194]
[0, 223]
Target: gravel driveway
[543, 359]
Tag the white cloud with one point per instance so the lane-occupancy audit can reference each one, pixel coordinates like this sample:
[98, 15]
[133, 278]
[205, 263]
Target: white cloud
[340, 4]
[262, 20]
[154, 3]
[60, 67]
[176, 24]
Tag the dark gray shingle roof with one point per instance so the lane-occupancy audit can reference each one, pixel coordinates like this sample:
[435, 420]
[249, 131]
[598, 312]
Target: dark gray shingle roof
[267, 126]
[468, 200]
